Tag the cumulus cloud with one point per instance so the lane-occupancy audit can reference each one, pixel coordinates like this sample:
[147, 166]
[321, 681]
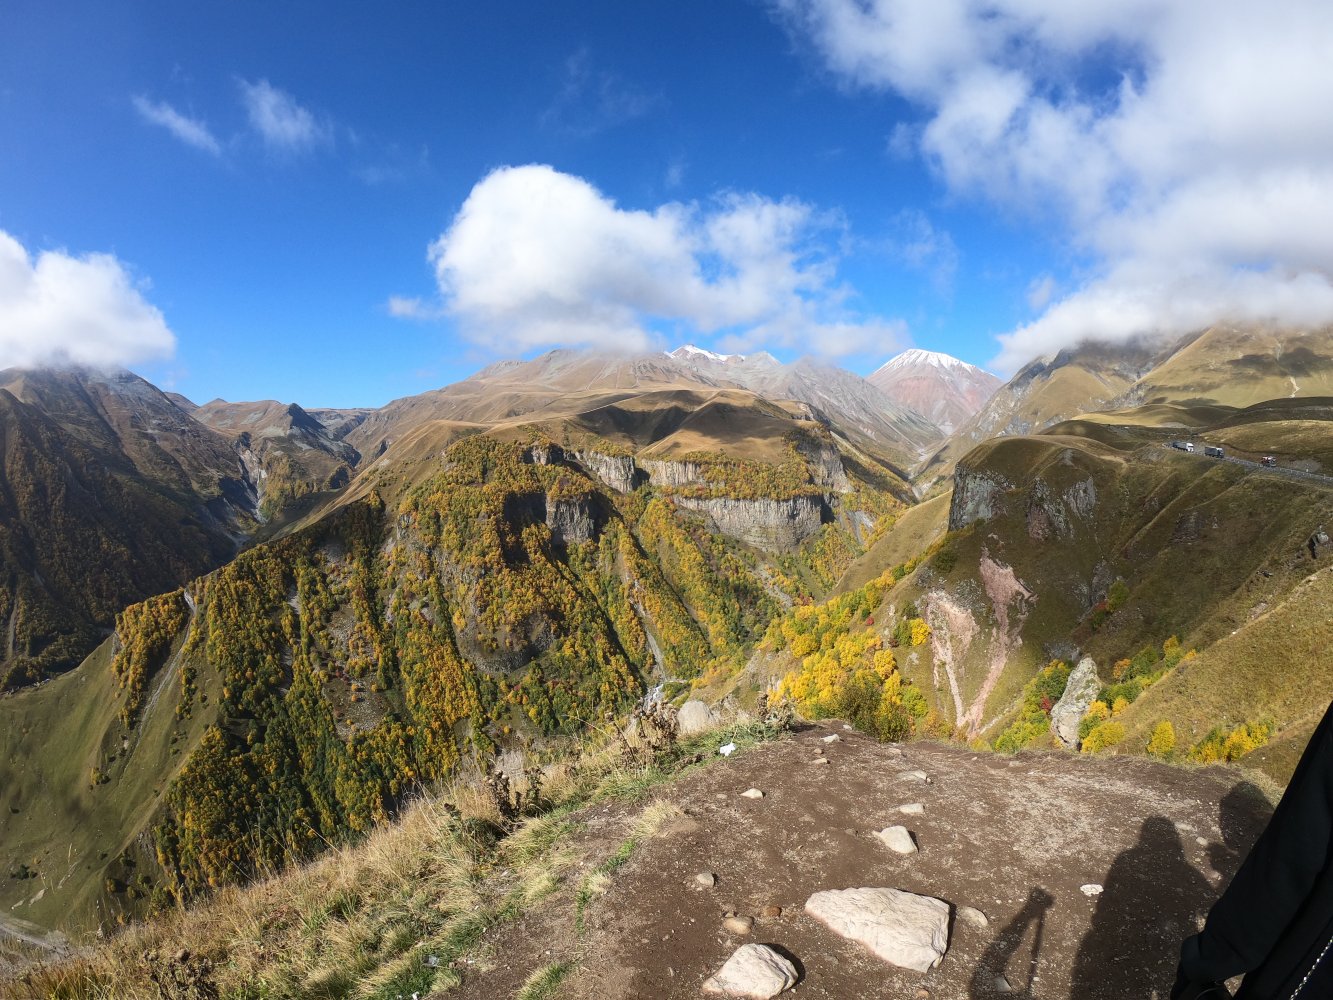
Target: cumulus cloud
[190, 131]
[538, 258]
[281, 122]
[1183, 148]
[62, 310]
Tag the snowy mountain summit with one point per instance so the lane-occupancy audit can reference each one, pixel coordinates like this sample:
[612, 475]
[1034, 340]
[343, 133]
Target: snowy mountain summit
[942, 388]
[917, 358]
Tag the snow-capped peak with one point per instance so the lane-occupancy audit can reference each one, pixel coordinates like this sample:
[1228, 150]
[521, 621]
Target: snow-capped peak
[690, 351]
[916, 357]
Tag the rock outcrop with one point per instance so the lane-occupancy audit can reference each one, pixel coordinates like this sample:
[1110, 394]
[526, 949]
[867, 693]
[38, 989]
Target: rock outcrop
[1080, 691]
[775, 525]
[572, 520]
[618, 471]
[975, 496]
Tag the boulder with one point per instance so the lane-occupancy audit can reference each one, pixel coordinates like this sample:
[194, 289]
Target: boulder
[1080, 691]
[694, 717]
[754, 971]
[902, 928]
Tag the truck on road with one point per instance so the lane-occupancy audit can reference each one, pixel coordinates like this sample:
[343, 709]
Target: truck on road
[1213, 451]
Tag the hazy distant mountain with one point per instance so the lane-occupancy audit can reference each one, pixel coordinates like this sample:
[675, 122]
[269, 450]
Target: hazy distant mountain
[564, 382]
[109, 492]
[941, 388]
[855, 406]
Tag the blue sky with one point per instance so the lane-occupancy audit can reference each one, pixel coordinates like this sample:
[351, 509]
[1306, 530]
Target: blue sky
[341, 203]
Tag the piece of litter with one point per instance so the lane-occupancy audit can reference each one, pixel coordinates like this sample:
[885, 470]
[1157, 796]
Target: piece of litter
[1091, 889]
[727, 749]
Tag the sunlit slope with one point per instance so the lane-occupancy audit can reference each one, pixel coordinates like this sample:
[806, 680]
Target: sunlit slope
[1041, 529]
[297, 694]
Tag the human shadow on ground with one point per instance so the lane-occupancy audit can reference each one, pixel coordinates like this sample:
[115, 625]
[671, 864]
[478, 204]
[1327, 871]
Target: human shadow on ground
[1018, 982]
[1241, 816]
[1151, 900]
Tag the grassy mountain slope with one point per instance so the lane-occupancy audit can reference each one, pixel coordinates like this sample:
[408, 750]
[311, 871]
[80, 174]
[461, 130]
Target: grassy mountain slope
[93, 518]
[1095, 538]
[303, 689]
[1224, 365]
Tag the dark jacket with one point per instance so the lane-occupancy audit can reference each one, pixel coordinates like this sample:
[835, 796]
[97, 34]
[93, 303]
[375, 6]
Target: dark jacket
[1276, 918]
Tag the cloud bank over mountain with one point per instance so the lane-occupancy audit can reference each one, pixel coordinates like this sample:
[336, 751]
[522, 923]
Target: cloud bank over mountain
[537, 258]
[1180, 149]
[59, 309]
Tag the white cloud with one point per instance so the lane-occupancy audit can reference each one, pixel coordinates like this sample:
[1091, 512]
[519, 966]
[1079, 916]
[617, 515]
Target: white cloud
[1181, 147]
[60, 310]
[537, 258]
[190, 131]
[280, 121]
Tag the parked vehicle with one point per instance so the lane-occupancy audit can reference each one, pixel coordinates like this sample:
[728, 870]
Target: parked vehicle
[1213, 451]
[1269, 460]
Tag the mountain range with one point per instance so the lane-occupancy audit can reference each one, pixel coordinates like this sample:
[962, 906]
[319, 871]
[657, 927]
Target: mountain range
[240, 631]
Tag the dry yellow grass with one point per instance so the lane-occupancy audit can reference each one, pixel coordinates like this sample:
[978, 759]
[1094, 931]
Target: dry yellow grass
[387, 916]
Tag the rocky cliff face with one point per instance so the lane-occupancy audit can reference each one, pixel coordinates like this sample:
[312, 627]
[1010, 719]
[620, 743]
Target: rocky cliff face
[773, 525]
[617, 471]
[976, 492]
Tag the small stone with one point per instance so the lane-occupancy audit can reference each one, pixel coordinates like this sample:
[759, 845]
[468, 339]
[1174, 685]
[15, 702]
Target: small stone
[752, 793]
[923, 994]
[1002, 985]
[897, 838]
[1201, 841]
[706, 879]
[770, 911]
[832, 738]
[820, 760]
[738, 924]
[1091, 889]
[912, 809]
[919, 776]
[972, 917]
[754, 972]
[847, 728]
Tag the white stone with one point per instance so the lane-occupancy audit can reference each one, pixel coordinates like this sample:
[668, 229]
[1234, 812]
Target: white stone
[902, 928]
[752, 793]
[912, 809]
[755, 972]
[920, 776]
[897, 838]
[1091, 889]
[833, 738]
[706, 879]
[694, 717]
[972, 917]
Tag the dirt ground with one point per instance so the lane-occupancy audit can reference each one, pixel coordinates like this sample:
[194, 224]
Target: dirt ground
[1015, 837]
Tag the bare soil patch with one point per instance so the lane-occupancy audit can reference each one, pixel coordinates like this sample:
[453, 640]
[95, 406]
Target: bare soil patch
[1016, 837]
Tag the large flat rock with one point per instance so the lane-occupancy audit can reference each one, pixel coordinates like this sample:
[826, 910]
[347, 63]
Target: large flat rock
[900, 927]
[755, 972]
